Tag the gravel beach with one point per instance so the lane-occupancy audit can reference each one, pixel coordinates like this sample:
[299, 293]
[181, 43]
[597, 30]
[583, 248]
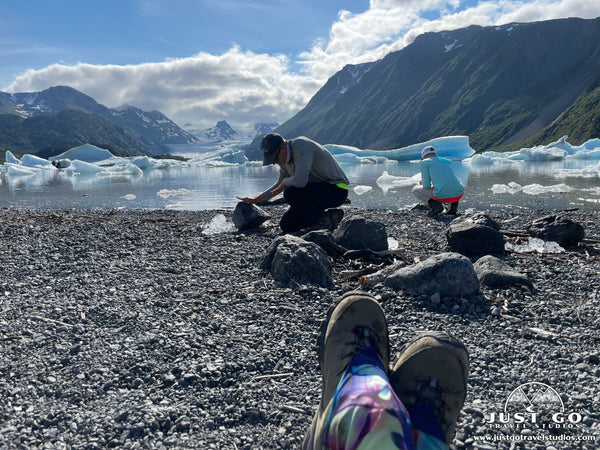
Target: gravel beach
[138, 329]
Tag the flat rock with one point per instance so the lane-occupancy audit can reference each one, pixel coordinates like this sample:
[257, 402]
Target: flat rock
[360, 234]
[290, 258]
[473, 239]
[495, 273]
[246, 217]
[449, 274]
[558, 229]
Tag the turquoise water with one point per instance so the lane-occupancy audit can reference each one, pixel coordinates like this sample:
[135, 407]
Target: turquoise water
[199, 188]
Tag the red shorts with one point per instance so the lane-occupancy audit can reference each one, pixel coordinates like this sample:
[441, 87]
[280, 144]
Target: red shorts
[447, 200]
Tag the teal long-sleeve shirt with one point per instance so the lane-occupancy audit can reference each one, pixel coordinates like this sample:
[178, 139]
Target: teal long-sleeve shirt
[437, 172]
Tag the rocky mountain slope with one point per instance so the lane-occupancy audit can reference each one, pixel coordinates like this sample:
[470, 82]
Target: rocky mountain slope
[499, 85]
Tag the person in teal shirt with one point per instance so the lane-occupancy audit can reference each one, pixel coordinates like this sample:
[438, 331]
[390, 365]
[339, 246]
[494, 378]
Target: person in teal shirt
[438, 184]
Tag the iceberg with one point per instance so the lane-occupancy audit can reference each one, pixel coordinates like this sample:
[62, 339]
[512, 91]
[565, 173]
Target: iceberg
[10, 158]
[16, 170]
[228, 155]
[87, 153]
[36, 161]
[451, 147]
[537, 189]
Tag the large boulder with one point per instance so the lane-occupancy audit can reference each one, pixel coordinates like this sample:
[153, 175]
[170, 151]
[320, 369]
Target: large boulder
[495, 273]
[360, 234]
[471, 239]
[290, 258]
[450, 274]
[246, 216]
[558, 229]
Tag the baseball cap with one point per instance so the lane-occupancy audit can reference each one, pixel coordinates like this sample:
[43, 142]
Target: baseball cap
[427, 151]
[269, 146]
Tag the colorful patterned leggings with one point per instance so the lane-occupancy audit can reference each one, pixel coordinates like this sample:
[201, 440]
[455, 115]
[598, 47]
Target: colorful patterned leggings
[367, 414]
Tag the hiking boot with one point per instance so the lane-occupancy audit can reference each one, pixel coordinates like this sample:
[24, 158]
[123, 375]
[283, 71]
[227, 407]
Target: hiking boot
[452, 210]
[433, 368]
[435, 207]
[354, 324]
[335, 217]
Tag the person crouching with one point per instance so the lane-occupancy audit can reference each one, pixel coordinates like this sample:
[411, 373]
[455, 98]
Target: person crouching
[309, 177]
[438, 183]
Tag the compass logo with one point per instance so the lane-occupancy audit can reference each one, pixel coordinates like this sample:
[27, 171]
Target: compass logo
[534, 405]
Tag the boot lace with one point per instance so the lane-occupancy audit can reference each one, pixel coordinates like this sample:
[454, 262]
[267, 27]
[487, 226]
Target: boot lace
[432, 391]
[364, 337]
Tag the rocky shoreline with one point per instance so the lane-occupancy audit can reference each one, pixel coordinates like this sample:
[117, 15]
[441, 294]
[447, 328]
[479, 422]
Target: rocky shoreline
[136, 329]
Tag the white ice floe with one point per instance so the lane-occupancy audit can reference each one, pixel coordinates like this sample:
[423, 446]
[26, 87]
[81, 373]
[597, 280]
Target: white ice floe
[360, 190]
[166, 193]
[535, 245]
[218, 224]
[510, 188]
[129, 196]
[355, 159]
[530, 189]
[387, 181]
[537, 189]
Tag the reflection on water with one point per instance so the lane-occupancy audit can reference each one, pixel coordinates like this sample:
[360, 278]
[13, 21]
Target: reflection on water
[196, 188]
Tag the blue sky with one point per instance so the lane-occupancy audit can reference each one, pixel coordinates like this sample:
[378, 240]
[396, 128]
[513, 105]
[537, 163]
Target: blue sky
[200, 61]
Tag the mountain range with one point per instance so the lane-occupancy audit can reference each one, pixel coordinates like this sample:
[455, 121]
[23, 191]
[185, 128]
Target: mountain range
[62, 116]
[520, 84]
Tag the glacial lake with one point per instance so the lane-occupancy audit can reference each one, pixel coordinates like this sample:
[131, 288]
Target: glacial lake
[562, 184]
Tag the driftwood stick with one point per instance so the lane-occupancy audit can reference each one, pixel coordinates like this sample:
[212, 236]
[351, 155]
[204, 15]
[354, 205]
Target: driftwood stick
[244, 341]
[272, 376]
[293, 409]
[54, 321]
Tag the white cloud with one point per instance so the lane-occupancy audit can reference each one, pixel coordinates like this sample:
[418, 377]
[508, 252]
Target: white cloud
[243, 87]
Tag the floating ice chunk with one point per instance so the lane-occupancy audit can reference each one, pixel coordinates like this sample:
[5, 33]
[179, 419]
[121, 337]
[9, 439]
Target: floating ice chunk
[453, 147]
[492, 159]
[122, 168]
[218, 224]
[10, 158]
[129, 196]
[16, 170]
[543, 154]
[586, 154]
[82, 167]
[511, 188]
[537, 189]
[35, 161]
[87, 153]
[360, 190]
[166, 193]
[227, 155]
[534, 245]
[387, 181]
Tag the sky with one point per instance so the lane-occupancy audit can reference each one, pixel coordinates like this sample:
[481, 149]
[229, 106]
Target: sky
[246, 62]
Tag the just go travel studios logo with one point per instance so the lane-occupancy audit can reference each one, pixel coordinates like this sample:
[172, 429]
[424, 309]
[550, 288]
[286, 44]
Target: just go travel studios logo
[535, 412]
